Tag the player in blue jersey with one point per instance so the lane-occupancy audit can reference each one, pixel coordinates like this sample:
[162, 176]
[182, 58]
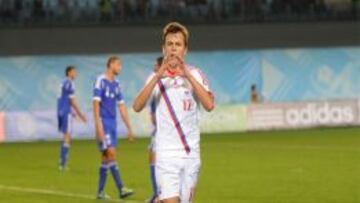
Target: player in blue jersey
[65, 104]
[107, 97]
[152, 156]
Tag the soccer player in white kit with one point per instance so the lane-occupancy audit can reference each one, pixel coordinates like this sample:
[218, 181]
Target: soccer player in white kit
[179, 90]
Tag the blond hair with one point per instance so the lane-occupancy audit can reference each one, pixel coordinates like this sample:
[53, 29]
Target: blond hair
[175, 27]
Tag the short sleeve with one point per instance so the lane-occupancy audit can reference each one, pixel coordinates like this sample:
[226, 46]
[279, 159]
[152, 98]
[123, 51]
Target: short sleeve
[68, 89]
[98, 90]
[201, 78]
[71, 90]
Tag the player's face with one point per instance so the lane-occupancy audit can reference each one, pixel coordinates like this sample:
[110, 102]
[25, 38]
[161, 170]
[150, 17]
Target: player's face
[73, 74]
[115, 67]
[175, 45]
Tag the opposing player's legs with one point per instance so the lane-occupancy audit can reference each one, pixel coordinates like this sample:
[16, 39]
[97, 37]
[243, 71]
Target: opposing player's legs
[64, 125]
[102, 178]
[108, 157]
[108, 162]
[152, 158]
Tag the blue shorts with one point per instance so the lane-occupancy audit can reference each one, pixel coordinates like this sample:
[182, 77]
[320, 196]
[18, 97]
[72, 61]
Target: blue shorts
[110, 131]
[64, 123]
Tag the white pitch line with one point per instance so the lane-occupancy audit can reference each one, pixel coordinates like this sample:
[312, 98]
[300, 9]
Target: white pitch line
[59, 193]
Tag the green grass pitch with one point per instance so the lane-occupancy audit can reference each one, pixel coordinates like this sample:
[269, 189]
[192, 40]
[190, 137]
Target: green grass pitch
[305, 166]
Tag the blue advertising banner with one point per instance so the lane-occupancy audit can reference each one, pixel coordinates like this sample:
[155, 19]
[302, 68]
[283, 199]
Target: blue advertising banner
[29, 85]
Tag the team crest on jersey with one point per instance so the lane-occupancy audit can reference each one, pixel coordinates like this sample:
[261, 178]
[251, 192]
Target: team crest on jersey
[177, 83]
[108, 93]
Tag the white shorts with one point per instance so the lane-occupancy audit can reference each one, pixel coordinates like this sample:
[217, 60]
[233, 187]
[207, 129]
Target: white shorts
[177, 177]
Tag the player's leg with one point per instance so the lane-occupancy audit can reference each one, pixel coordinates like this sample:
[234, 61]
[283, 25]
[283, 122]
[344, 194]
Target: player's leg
[114, 168]
[152, 173]
[168, 173]
[189, 179]
[65, 129]
[102, 176]
[104, 165]
[108, 163]
[171, 200]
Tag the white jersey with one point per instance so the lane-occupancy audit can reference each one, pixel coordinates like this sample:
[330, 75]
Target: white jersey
[177, 116]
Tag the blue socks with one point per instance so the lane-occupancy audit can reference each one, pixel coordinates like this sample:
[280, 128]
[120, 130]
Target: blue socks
[153, 181]
[102, 177]
[114, 169]
[64, 154]
[116, 174]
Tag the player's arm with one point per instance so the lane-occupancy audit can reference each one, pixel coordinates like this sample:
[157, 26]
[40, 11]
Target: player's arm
[98, 124]
[141, 100]
[99, 128]
[75, 106]
[125, 117]
[205, 97]
[71, 92]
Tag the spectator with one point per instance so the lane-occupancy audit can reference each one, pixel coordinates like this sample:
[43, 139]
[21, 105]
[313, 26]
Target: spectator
[142, 8]
[201, 7]
[18, 7]
[320, 7]
[78, 11]
[62, 9]
[131, 8]
[50, 7]
[105, 10]
[255, 98]
[92, 10]
[38, 10]
[26, 14]
[215, 8]
[81, 11]
[355, 8]
[7, 11]
[119, 10]
[154, 6]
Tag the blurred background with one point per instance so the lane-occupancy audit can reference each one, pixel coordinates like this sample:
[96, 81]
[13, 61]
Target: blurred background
[94, 12]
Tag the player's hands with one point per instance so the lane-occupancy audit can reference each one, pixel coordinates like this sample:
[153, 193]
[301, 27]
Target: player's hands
[169, 67]
[103, 146]
[83, 118]
[183, 71]
[100, 136]
[131, 136]
[160, 73]
[172, 66]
